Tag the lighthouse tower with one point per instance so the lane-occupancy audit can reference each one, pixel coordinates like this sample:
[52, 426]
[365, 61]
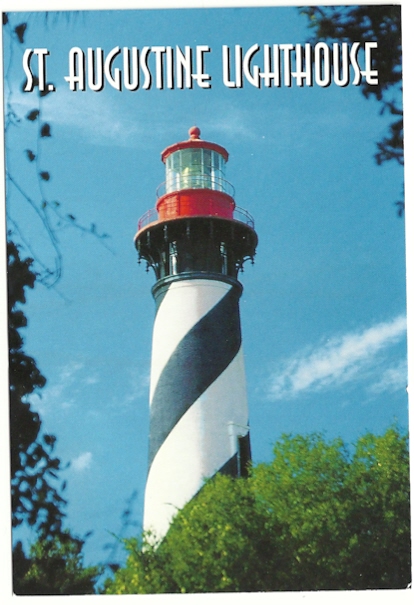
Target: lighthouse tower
[196, 240]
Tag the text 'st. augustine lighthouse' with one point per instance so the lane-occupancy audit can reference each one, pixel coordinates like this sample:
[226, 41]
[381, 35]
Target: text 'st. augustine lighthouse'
[196, 240]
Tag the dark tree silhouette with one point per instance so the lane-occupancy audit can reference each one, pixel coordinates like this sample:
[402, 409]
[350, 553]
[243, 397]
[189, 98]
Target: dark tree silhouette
[55, 562]
[54, 567]
[381, 23]
[35, 494]
[50, 214]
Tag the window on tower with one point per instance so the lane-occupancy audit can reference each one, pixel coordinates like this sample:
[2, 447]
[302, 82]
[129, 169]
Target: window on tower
[244, 454]
[173, 258]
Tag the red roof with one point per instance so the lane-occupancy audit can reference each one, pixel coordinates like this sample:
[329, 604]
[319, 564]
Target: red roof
[194, 142]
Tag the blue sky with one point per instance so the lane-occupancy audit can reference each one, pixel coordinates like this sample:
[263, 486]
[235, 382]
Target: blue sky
[323, 309]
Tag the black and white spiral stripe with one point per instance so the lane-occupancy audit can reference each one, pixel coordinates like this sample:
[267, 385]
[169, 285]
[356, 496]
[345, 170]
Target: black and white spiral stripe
[198, 400]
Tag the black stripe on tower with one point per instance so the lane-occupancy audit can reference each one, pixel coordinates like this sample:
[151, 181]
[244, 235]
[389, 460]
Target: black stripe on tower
[201, 356]
[160, 288]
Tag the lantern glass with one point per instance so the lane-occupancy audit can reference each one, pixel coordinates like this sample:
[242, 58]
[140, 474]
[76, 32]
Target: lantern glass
[195, 168]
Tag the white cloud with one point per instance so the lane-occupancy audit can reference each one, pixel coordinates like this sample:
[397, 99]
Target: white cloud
[82, 462]
[54, 395]
[232, 121]
[97, 118]
[93, 379]
[337, 361]
[138, 387]
[105, 119]
[67, 373]
[393, 379]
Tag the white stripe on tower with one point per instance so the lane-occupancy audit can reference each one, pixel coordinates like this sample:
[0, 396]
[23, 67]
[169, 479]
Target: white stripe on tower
[177, 313]
[197, 393]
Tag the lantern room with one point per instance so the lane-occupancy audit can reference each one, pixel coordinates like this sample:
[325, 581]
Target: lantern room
[196, 227]
[195, 183]
[200, 167]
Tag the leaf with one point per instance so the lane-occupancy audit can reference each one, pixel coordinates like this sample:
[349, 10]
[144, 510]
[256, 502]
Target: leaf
[31, 156]
[19, 30]
[49, 88]
[400, 208]
[54, 463]
[49, 439]
[32, 115]
[45, 130]
[45, 175]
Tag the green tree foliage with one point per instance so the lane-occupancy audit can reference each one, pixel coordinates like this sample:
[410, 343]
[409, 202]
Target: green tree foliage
[54, 567]
[315, 518]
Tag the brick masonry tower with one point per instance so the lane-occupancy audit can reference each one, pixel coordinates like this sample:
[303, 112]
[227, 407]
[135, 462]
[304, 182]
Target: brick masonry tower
[196, 241]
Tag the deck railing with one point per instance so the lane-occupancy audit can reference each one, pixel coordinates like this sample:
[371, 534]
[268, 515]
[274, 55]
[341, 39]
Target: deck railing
[151, 216]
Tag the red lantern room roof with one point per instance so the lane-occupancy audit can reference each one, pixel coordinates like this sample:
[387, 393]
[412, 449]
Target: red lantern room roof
[194, 142]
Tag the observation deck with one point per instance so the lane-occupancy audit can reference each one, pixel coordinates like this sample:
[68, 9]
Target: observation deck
[195, 215]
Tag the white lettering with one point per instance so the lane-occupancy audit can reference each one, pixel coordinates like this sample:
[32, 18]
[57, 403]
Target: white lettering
[76, 69]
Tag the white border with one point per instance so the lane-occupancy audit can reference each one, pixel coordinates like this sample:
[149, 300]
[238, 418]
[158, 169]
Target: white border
[319, 597]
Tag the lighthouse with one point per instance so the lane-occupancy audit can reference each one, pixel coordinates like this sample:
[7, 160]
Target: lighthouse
[196, 240]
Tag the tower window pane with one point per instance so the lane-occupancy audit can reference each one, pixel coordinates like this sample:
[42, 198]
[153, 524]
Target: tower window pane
[195, 169]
